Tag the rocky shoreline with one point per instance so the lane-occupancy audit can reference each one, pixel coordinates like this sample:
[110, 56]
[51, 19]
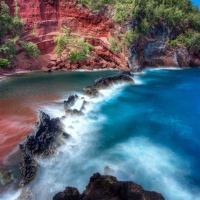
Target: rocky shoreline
[47, 137]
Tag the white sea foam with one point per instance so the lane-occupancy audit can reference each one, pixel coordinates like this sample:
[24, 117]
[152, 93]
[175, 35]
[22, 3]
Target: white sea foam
[163, 68]
[73, 157]
[138, 159]
[151, 165]
[138, 80]
[10, 195]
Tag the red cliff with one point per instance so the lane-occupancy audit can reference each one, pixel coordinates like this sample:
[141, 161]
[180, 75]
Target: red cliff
[43, 20]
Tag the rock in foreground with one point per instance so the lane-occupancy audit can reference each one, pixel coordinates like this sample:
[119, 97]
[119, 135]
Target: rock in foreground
[108, 188]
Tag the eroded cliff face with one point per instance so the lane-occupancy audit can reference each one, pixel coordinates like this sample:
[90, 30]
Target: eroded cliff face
[152, 51]
[43, 20]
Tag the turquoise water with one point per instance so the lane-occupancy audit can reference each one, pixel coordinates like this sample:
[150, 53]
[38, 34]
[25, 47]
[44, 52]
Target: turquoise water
[148, 133]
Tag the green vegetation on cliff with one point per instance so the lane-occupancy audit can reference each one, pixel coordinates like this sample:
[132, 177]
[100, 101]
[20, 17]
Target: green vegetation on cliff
[11, 27]
[125, 40]
[75, 45]
[4, 63]
[180, 14]
[31, 49]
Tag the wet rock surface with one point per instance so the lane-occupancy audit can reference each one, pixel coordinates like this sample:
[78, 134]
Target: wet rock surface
[153, 51]
[70, 103]
[48, 133]
[42, 142]
[102, 83]
[108, 188]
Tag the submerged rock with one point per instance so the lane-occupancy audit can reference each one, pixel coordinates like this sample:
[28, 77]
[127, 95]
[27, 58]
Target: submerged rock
[108, 188]
[70, 102]
[84, 104]
[102, 83]
[42, 142]
[6, 177]
[89, 90]
[74, 112]
[108, 170]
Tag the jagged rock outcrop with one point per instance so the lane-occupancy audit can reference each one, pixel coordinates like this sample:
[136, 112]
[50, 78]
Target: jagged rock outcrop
[108, 188]
[69, 103]
[152, 50]
[42, 142]
[102, 83]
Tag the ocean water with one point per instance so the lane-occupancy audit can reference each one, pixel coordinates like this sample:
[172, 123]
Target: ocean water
[148, 133]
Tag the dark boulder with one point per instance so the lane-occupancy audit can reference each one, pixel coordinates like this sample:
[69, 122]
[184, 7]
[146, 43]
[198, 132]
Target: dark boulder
[69, 193]
[91, 91]
[108, 188]
[70, 102]
[74, 112]
[102, 83]
[42, 142]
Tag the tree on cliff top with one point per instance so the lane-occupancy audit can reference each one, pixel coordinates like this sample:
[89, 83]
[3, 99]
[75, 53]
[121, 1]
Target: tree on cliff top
[178, 14]
[10, 30]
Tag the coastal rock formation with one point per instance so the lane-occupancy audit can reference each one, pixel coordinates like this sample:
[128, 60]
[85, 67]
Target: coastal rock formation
[42, 142]
[108, 188]
[152, 50]
[102, 83]
[69, 103]
[47, 134]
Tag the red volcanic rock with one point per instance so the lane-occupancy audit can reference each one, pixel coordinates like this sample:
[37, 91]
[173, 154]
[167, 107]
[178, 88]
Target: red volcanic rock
[68, 66]
[61, 65]
[45, 69]
[52, 63]
[58, 62]
[195, 60]
[44, 19]
[82, 63]
[74, 66]
[54, 68]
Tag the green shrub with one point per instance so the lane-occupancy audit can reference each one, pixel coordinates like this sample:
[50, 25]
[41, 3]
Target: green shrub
[190, 38]
[128, 37]
[144, 27]
[4, 63]
[122, 12]
[76, 56]
[113, 44]
[5, 20]
[62, 40]
[31, 49]
[9, 48]
[33, 33]
[82, 48]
